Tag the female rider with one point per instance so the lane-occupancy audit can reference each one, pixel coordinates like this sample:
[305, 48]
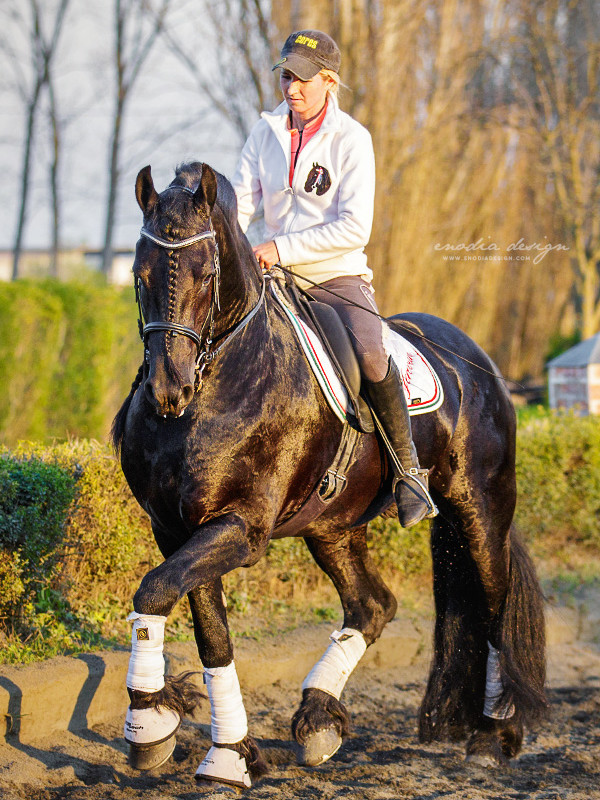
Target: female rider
[314, 169]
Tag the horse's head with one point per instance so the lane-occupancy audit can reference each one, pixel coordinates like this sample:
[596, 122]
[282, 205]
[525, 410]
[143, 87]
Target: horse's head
[176, 272]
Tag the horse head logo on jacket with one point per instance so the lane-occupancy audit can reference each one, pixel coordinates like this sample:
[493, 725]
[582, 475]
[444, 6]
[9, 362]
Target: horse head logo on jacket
[318, 179]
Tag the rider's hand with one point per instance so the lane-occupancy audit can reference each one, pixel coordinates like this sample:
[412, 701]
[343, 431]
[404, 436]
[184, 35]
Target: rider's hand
[266, 254]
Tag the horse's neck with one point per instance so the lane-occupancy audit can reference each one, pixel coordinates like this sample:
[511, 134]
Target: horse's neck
[241, 281]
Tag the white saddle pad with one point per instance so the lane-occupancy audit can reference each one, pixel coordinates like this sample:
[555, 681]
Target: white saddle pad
[422, 387]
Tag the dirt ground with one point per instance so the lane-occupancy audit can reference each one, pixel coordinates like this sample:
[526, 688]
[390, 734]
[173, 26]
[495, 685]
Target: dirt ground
[381, 759]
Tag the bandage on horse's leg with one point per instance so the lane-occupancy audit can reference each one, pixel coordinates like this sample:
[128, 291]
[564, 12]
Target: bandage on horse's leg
[321, 721]
[238, 761]
[156, 704]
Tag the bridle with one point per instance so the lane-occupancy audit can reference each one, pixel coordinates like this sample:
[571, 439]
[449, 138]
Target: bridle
[204, 353]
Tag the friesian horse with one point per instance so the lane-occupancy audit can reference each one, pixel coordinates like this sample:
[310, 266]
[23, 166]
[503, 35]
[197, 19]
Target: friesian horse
[226, 433]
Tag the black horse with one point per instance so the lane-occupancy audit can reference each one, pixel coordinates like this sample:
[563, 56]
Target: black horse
[225, 434]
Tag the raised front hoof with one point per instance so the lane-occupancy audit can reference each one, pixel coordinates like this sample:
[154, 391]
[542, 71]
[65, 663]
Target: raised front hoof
[318, 747]
[151, 756]
[225, 767]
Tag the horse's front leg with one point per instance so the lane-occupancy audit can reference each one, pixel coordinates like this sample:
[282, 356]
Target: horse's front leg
[321, 721]
[157, 706]
[234, 757]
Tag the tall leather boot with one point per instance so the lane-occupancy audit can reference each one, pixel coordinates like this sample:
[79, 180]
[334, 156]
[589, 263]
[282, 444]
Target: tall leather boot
[410, 484]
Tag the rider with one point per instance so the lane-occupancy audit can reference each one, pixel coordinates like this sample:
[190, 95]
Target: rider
[314, 169]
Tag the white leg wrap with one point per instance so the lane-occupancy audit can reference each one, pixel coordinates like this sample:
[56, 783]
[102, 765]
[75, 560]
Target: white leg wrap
[224, 766]
[228, 721]
[146, 671]
[494, 688]
[150, 725]
[334, 668]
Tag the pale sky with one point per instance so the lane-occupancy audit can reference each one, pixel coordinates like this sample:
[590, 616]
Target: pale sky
[164, 126]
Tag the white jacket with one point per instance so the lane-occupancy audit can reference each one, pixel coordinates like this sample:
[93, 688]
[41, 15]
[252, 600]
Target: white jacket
[320, 235]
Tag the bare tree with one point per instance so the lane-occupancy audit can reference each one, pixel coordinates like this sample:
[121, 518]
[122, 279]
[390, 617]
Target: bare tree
[137, 27]
[556, 81]
[431, 81]
[232, 68]
[56, 150]
[30, 81]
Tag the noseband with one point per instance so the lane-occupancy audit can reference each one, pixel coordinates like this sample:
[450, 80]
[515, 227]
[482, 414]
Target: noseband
[204, 353]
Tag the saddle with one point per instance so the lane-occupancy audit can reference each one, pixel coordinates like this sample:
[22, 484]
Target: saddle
[333, 335]
[341, 388]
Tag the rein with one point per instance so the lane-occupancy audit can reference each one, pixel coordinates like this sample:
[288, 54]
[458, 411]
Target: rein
[398, 324]
[204, 352]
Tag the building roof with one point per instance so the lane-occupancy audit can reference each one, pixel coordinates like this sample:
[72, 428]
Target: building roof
[582, 354]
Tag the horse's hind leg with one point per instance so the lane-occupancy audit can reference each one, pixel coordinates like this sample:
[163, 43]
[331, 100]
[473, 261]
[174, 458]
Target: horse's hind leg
[322, 720]
[233, 751]
[487, 675]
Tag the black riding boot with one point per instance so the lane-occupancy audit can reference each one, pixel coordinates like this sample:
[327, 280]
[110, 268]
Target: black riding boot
[410, 489]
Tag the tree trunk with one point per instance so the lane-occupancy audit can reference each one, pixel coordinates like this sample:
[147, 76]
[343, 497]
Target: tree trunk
[54, 189]
[113, 184]
[27, 149]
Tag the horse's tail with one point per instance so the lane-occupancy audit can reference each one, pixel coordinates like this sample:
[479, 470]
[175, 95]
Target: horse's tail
[522, 637]
[118, 427]
[453, 701]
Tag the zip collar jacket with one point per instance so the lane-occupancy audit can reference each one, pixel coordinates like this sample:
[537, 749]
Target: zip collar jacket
[322, 221]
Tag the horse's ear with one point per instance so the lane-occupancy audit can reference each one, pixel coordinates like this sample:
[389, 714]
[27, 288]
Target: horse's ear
[144, 190]
[207, 189]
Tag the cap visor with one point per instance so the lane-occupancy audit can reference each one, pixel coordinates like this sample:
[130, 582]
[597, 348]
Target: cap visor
[302, 67]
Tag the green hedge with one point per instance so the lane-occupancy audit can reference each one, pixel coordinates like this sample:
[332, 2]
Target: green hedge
[558, 477]
[68, 354]
[74, 543]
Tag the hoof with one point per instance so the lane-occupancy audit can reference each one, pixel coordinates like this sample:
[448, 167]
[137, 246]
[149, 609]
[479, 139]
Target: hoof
[151, 756]
[150, 733]
[224, 766]
[494, 743]
[486, 760]
[319, 747]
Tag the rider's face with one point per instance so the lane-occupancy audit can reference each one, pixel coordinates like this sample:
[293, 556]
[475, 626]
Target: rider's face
[304, 98]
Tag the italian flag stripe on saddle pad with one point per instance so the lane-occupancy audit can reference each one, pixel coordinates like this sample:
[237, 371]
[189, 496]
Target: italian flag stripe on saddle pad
[422, 386]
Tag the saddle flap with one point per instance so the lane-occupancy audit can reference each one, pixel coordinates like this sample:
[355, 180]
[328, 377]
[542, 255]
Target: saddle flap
[335, 338]
[338, 339]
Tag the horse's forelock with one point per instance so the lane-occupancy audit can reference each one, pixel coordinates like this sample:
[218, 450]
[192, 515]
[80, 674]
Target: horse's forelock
[188, 175]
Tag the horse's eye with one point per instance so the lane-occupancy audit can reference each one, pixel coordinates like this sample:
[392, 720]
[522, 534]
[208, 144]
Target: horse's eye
[207, 280]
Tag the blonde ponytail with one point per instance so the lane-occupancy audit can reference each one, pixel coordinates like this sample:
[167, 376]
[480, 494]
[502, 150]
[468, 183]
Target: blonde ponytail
[333, 76]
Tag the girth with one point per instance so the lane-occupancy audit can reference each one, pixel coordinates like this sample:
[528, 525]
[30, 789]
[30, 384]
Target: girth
[331, 486]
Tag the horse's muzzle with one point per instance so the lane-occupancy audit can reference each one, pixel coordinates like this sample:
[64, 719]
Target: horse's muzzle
[168, 400]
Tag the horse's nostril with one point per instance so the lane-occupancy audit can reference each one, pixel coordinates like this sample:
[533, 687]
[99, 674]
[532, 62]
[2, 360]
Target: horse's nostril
[187, 393]
[149, 392]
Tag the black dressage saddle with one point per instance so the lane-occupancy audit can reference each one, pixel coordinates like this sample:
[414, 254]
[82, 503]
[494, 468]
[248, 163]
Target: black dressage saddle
[326, 323]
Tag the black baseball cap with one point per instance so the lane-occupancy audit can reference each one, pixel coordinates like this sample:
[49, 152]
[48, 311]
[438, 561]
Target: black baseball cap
[307, 52]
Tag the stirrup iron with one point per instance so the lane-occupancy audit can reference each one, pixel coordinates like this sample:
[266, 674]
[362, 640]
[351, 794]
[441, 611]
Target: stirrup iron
[411, 492]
